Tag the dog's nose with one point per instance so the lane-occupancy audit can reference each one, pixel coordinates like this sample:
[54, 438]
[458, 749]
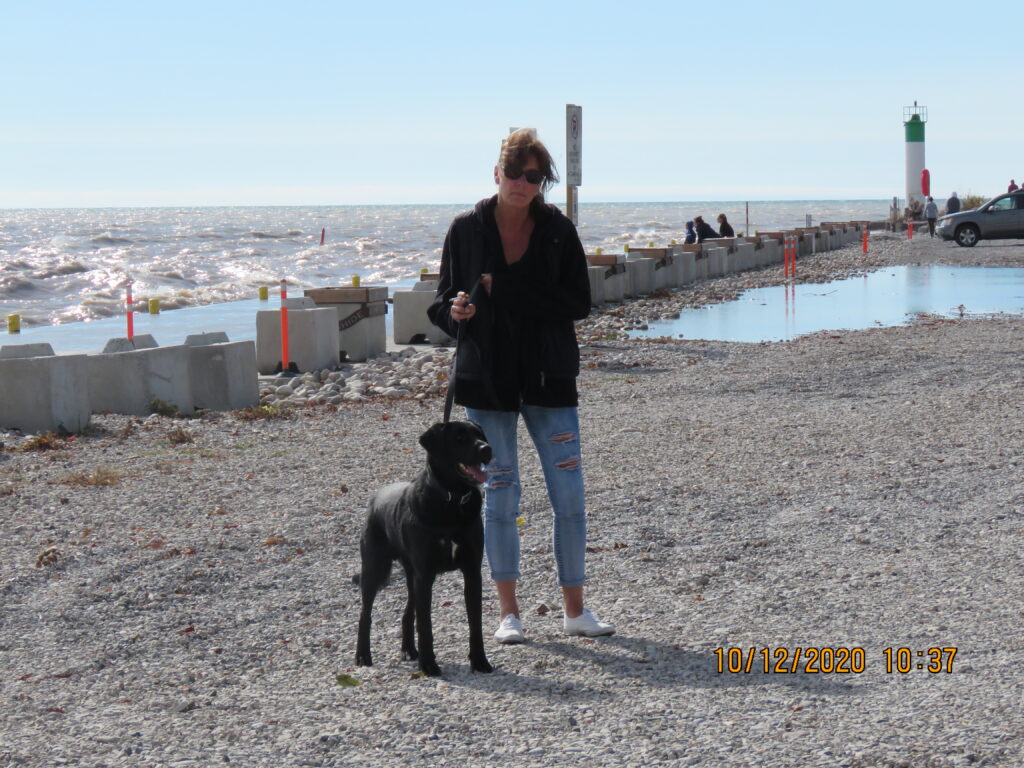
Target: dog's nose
[485, 453]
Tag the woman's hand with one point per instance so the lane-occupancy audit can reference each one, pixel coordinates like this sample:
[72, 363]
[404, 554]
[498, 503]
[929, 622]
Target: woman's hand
[486, 280]
[461, 308]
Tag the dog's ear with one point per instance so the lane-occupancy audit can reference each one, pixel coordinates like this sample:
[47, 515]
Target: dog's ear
[480, 428]
[433, 439]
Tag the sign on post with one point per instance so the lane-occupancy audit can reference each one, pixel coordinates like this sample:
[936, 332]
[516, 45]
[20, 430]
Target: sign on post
[573, 145]
[573, 159]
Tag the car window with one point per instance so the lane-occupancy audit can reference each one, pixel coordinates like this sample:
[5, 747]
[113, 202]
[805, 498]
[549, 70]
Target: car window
[1003, 204]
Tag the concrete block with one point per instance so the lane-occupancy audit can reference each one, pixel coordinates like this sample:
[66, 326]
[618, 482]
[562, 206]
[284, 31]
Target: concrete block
[744, 257]
[702, 265]
[686, 266]
[43, 394]
[362, 330]
[223, 376]
[716, 258]
[128, 382]
[664, 266]
[616, 282]
[639, 276]
[312, 339]
[13, 351]
[610, 269]
[123, 344]
[596, 277]
[411, 324]
[201, 339]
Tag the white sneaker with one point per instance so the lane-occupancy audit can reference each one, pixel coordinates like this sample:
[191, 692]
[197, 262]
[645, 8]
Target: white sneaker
[510, 631]
[588, 625]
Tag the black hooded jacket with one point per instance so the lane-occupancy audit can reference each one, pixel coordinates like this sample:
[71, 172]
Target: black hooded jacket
[520, 346]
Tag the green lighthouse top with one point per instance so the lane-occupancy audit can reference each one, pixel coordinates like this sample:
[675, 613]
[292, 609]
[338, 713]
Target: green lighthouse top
[914, 119]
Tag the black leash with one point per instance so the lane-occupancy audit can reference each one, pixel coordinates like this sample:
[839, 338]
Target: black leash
[449, 398]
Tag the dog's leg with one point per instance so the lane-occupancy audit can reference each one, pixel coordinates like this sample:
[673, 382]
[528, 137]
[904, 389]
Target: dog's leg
[473, 592]
[408, 628]
[423, 584]
[373, 576]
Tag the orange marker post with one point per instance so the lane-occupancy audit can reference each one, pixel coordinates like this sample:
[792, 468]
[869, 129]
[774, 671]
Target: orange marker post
[865, 238]
[910, 230]
[284, 327]
[128, 306]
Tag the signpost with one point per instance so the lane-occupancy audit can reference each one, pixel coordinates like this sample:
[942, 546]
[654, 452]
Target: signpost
[573, 159]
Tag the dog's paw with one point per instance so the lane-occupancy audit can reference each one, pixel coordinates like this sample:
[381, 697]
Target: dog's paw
[430, 668]
[410, 654]
[480, 665]
[363, 660]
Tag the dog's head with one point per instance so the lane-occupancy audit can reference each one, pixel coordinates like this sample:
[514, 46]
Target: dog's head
[458, 449]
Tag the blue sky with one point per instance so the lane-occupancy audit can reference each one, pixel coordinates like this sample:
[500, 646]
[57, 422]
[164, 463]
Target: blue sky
[216, 103]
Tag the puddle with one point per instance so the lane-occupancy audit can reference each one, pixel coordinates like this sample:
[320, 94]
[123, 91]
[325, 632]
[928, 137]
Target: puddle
[890, 296]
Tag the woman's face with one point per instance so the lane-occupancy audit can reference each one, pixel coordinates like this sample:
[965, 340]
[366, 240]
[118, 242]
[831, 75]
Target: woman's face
[516, 192]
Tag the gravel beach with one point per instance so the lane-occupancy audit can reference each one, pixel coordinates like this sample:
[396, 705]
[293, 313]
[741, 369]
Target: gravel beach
[178, 592]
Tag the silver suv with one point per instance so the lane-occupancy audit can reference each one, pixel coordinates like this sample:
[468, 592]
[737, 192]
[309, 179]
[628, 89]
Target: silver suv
[999, 218]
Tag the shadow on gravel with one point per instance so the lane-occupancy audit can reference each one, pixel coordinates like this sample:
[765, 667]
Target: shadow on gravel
[668, 666]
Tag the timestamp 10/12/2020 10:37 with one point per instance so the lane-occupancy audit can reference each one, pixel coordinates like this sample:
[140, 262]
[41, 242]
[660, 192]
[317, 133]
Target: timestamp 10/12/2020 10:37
[838, 660]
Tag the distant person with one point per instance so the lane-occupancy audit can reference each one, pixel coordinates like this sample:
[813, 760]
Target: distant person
[704, 230]
[724, 227]
[1013, 186]
[931, 212]
[953, 204]
[691, 235]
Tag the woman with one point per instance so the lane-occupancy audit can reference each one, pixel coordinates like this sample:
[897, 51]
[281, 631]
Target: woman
[523, 263]
[724, 227]
[704, 230]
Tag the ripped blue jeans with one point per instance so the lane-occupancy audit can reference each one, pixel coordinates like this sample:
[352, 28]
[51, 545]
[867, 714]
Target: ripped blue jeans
[556, 434]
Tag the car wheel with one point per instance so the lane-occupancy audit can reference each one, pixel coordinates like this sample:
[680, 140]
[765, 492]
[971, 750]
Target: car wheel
[967, 236]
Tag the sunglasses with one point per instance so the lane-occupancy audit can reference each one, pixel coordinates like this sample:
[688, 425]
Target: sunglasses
[533, 176]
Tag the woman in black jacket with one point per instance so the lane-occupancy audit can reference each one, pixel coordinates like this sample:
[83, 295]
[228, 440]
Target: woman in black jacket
[704, 230]
[724, 227]
[513, 270]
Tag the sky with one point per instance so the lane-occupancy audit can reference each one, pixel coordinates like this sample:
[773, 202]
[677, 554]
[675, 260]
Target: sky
[113, 103]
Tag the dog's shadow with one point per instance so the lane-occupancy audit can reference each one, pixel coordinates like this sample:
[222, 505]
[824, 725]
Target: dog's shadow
[594, 668]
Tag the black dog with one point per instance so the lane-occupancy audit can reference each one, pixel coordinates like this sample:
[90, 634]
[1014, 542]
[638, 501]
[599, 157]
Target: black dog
[431, 525]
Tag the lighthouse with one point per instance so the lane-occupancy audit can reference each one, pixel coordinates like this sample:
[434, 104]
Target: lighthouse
[914, 119]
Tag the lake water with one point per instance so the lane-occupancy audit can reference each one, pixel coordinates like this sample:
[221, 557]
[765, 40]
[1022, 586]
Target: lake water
[891, 296]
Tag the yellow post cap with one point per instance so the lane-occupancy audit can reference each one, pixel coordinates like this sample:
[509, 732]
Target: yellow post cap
[264, 293]
[14, 323]
[355, 281]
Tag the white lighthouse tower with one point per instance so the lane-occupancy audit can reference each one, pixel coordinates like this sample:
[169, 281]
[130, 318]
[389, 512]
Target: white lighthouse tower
[914, 119]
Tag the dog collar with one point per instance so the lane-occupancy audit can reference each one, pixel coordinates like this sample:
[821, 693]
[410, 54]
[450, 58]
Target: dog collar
[449, 497]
